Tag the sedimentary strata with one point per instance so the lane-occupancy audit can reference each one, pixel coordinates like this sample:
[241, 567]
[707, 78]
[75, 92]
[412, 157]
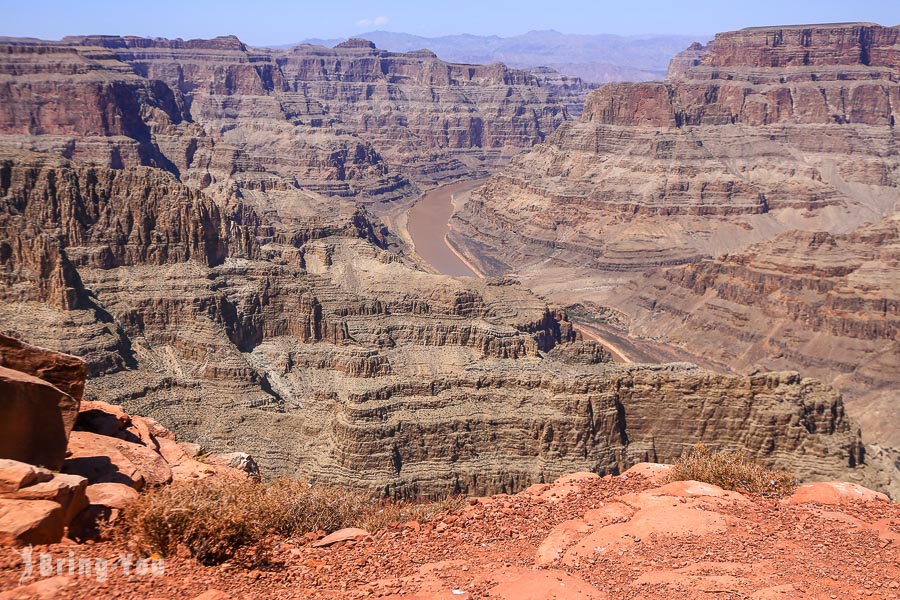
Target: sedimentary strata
[764, 131]
[301, 348]
[351, 121]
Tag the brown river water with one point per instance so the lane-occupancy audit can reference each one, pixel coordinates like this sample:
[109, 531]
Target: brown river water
[428, 223]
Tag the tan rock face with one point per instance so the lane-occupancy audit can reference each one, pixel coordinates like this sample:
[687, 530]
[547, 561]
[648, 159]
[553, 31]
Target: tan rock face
[224, 295]
[770, 149]
[734, 138]
[305, 352]
[348, 121]
[825, 303]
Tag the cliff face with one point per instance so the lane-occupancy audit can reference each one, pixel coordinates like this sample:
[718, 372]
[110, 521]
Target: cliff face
[348, 121]
[825, 303]
[762, 131]
[299, 347]
[432, 120]
[197, 237]
[782, 137]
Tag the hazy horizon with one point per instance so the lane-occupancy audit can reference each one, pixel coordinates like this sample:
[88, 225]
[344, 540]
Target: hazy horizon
[279, 22]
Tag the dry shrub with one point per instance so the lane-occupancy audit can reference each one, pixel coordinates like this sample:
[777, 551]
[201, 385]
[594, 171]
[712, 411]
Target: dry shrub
[214, 518]
[732, 471]
[384, 513]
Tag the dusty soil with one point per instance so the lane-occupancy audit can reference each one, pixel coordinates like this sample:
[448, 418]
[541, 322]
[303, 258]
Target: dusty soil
[675, 542]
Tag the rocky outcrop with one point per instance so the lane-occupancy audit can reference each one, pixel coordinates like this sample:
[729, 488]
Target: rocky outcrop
[351, 121]
[431, 119]
[761, 131]
[784, 137]
[827, 303]
[40, 392]
[104, 462]
[306, 353]
[579, 537]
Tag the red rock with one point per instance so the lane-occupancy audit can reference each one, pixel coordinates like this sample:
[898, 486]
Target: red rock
[35, 419]
[690, 489]
[240, 461]
[102, 418]
[562, 536]
[155, 429]
[15, 475]
[65, 372]
[213, 595]
[111, 495]
[106, 501]
[139, 432]
[655, 472]
[342, 535]
[69, 491]
[44, 589]
[834, 492]
[24, 522]
[106, 459]
[180, 457]
[414, 525]
[528, 584]
[558, 491]
[611, 512]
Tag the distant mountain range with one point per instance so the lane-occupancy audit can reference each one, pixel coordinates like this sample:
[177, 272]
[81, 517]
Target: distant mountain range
[596, 58]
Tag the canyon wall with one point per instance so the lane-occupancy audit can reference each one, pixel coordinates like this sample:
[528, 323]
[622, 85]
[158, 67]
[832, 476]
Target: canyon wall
[351, 121]
[784, 137]
[303, 350]
[190, 218]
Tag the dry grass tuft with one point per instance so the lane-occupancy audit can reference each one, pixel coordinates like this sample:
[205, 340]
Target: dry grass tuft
[732, 471]
[214, 518]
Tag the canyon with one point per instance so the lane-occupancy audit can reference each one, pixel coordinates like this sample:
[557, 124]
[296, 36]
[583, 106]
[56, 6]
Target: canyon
[208, 226]
[743, 210]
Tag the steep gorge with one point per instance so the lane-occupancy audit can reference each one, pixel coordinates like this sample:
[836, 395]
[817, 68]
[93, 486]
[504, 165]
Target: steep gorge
[744, 209]
[197, 232]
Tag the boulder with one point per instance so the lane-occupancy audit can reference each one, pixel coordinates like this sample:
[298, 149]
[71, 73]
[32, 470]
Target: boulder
[65, 372]
[106, 501]
[349, 534]
[24, 522]
[102, 418]
[140, 432]
[35, 419]
[833, 493]
[111, 495]
[103, 459]
[15, 475]
[69, 491]
[213, 595]
[655, 472]
[235, 460]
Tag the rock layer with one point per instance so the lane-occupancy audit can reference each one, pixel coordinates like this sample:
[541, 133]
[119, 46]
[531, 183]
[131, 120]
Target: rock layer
[827, 303]
[304, 351]
[765, 131]
[351, 121]
[227, 296]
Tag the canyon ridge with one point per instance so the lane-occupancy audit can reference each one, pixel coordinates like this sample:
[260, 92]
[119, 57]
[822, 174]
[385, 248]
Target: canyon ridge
[208, 225]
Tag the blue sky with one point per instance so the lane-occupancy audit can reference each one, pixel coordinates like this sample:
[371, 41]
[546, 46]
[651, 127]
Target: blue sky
[282, 21]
